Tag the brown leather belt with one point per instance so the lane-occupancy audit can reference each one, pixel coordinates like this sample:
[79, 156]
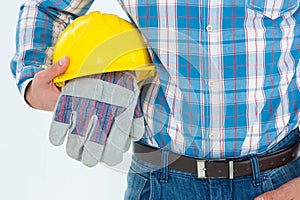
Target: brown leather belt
[217, 168]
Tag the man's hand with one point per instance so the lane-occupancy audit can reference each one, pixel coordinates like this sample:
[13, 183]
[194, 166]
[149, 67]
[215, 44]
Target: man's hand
[288, 191]
[42, 93]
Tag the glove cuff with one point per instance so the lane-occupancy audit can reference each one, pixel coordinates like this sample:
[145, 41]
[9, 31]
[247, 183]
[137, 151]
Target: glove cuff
[100, 90]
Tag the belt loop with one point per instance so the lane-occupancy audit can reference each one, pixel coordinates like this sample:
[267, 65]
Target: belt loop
[164, 166]
[255, 170]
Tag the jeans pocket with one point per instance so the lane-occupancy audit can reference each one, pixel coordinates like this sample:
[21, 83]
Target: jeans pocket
[136, 184]
[279, 176]
[273, 9]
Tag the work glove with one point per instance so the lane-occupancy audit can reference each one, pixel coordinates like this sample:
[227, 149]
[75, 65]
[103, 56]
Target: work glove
[101, 116]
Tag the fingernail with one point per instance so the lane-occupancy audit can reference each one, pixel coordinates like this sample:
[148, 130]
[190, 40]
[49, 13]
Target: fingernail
[259, 198]
[63, 61]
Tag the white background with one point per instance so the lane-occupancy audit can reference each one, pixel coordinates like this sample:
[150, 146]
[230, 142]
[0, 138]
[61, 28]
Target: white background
[30, 167]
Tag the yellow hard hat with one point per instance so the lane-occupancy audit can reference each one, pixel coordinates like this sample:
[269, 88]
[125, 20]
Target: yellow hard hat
[99, 43]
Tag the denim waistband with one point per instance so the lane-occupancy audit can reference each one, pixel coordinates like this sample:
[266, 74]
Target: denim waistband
[289, 140]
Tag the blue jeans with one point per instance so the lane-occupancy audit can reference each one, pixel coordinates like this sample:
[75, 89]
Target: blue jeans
[147, 181]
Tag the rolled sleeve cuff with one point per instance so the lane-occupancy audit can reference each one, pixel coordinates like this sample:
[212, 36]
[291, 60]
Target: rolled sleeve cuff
[23, 89]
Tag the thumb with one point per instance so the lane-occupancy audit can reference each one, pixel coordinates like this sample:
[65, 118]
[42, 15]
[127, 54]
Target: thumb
[55, 69]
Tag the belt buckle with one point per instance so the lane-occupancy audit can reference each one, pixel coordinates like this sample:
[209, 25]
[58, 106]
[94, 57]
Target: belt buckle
[201, 169]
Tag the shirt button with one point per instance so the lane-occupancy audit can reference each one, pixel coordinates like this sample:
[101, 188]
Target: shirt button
[209, 28]
[210, 83]
[212, 136]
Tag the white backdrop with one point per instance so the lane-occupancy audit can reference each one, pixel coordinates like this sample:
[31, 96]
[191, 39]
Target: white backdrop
[30, 167]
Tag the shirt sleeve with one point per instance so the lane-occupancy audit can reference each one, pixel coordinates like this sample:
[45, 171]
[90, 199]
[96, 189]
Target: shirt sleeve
[39, 25]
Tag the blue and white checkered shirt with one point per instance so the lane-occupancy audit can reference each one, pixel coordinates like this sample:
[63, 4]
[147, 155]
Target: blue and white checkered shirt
[228, 72]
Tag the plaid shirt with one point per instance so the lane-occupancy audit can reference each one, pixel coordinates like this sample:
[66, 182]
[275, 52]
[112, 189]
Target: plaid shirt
[228, 75]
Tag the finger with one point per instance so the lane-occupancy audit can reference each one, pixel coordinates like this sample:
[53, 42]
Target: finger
[74, 146]
[54, 70]
[138, 129]
[77, 138]
[285, 192]
[94, 146]
[92, 151]
[112, 154]
[119, 133]
[58, 132]
[118, 140]
[62, 121]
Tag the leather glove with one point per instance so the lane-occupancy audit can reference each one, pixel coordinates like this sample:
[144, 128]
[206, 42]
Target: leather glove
[101, 116]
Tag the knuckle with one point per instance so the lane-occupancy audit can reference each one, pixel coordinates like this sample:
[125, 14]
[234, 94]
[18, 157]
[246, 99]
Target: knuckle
[270, 195]
[38, 77]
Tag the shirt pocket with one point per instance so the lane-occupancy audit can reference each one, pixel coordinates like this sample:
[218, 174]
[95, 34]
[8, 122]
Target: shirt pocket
[273, 9]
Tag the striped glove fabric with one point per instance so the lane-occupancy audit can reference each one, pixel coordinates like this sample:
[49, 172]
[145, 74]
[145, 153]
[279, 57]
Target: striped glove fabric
[101, 116]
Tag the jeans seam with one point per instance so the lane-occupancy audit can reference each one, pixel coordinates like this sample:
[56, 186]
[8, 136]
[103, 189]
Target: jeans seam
[151, 197]
[268, 180]
[143, 185]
